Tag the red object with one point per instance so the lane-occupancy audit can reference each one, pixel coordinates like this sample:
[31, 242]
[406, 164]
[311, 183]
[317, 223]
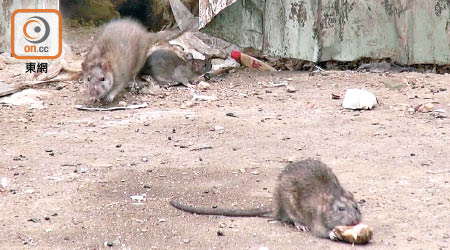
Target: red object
[256, 65]
[236, 55]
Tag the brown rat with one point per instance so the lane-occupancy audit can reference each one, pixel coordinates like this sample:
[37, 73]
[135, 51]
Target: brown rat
[166, 66]
[117, 56]
[307, 195]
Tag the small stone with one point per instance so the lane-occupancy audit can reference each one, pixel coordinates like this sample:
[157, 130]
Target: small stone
[218, 128]
[255, 172]
[393, 85]
[188, 104]
[203, 85]
[220, 233]
[47, 218]
[359, 99]
[147, 186]
[60, 86]
[51, 154]
[81, 169]
[162, 220]
[28, 191]
[425, 108]
[123, 103]
[118, 145]
[138, 198]
[291, 159]
[335, 97]
[49, 150]
[66, 238]
[48, 230]
[35, 220]
[146, 124]
[4, 182]
[186, 241]
[144, 159]
[291, 89]
[231, 114]
[20, 158]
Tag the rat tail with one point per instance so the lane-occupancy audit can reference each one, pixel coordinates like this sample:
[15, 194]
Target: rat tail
[254, 212]
[165, 35]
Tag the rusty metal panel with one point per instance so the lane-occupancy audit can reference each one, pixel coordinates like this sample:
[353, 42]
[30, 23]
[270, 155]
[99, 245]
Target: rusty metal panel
[408, 31]
[7, 8]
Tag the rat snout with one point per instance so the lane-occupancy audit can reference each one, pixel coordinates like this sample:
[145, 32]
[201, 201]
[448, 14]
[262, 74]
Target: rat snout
[356, 218]
[93, 91]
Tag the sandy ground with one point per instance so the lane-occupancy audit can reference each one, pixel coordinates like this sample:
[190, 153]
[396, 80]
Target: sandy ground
[72, 173]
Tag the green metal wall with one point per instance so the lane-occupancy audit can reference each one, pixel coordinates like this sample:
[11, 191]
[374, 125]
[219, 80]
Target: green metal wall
[408, 31]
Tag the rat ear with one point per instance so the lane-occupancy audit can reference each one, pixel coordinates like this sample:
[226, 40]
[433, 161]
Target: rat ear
[107, 66]
[84, 66]
[189, 56]
[348, 194]
[195, 65]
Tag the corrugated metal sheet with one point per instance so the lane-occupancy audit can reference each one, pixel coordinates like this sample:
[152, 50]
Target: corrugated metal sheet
[7, 8]
[408, 31]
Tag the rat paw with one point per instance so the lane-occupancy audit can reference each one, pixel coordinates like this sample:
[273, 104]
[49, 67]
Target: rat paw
[332, 235]
[301, 227]
[109, 98]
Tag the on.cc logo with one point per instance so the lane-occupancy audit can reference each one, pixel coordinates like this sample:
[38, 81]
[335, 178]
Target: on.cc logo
[37, 25]
[36, 34]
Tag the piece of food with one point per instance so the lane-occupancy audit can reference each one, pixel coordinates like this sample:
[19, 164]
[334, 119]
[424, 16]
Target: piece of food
[358, 234]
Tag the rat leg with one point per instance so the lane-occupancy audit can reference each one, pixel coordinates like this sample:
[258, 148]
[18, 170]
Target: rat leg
[119, 85]
[188, 84]
[136, 85]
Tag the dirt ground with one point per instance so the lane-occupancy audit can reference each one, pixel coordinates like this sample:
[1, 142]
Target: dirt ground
[72, 174]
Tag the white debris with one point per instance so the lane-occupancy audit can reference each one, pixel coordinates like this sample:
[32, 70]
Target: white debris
[30, 97]
[203, 85]
[218, 128]
[203, 98]
[359, 99]
[53, 178]
[220, 65]
[138, 198]
[4, 182]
